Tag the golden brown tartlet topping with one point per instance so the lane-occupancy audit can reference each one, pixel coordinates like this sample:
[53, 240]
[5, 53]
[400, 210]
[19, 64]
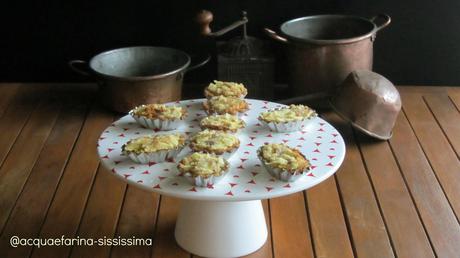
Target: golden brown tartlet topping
[203, 164]
[287, 114]
[227, 89]
[222, 105]
[225, 122]
[277, 155]
[211, 141]
[149, 144]
[160, 111]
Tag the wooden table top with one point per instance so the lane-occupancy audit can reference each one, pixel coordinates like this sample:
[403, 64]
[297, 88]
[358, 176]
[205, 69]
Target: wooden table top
[396, 198]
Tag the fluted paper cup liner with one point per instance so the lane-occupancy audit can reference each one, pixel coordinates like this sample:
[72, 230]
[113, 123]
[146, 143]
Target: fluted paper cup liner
[238, 114]
[157, 157]
[156, 124]
[204, 181]
[285, 127]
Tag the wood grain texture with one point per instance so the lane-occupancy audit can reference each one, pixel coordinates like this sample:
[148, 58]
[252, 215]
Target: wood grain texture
[32, 205]
[437, 216]
[24, 154]
[399, 211]
[137, 219]
[454, 95]
[15, 117]
[164, 243]
[437, 149]
[389, 199]
[69, 202]
[447, 116]
[8, 91]
[328, 226]
[101, 214]
[367, 228]
[290, 227]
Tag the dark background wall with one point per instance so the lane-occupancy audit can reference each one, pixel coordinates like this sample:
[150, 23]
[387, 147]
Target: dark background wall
[421, 46]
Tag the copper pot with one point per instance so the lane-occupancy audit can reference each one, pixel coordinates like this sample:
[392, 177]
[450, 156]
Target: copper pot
[133, 76]
[323, 49]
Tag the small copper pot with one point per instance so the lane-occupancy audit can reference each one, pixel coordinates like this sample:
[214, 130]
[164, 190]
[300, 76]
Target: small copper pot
[132, 76]
[323, 49]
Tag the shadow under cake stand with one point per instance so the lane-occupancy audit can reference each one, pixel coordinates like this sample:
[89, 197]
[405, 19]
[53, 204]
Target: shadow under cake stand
[227, 219]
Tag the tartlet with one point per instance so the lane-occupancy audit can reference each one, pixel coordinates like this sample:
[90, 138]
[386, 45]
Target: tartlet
[159, 116]
[203, 169]
[225, 122]
[227, 89]
[287, 119]
[216, 142]
[154, 148]
[225, 105]
[283, 162]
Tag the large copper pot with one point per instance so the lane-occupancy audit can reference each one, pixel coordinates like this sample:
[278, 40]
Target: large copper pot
[132, 76]
[323, 49]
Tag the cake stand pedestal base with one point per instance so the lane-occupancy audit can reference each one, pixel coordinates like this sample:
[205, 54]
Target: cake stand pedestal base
[221, 229]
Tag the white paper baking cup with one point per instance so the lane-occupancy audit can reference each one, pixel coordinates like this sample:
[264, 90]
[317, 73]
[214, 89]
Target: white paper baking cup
[285, 127]
[204, 182]
[157, 157]
[238, 114]
[280, 174]
[158, 124]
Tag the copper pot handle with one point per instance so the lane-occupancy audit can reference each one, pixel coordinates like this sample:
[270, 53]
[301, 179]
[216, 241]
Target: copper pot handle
[275, 36]
[199, 63]
[73, 65]
[386, 21]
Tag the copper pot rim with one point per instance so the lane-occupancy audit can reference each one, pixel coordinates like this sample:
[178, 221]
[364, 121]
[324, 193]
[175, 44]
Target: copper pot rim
[374, 29]
[359, 127]
[139, 78]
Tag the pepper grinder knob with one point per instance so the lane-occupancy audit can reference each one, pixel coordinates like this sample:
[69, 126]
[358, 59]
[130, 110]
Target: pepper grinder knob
[204, 19]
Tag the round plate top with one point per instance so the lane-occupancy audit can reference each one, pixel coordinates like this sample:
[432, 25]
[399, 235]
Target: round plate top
[320, 142]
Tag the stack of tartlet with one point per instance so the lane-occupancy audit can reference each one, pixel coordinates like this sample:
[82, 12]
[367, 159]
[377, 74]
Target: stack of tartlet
[217, 141]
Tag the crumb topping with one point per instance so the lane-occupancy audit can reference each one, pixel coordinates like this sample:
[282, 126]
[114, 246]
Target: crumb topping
[222, 105]
[288, 114]
[225, 122]
[203, 164]
[212, 141]
[160, 111]
[228, 89]
[148, 144]
[281, 156]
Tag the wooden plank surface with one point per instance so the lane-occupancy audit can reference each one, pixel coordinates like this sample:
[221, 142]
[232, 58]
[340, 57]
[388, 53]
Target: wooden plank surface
[8, 91]
[164, 244]
[25, 152]
[137, 219]
[328, 225]
[101, 214]
[31, 207]
[447, 116]
[70, 199]
[399, 211]
[290, 227]
[368, 232]
[436, 147]
[396, 198]
[434, 209]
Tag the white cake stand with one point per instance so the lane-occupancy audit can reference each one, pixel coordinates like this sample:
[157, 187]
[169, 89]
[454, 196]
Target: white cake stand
[226, 220]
